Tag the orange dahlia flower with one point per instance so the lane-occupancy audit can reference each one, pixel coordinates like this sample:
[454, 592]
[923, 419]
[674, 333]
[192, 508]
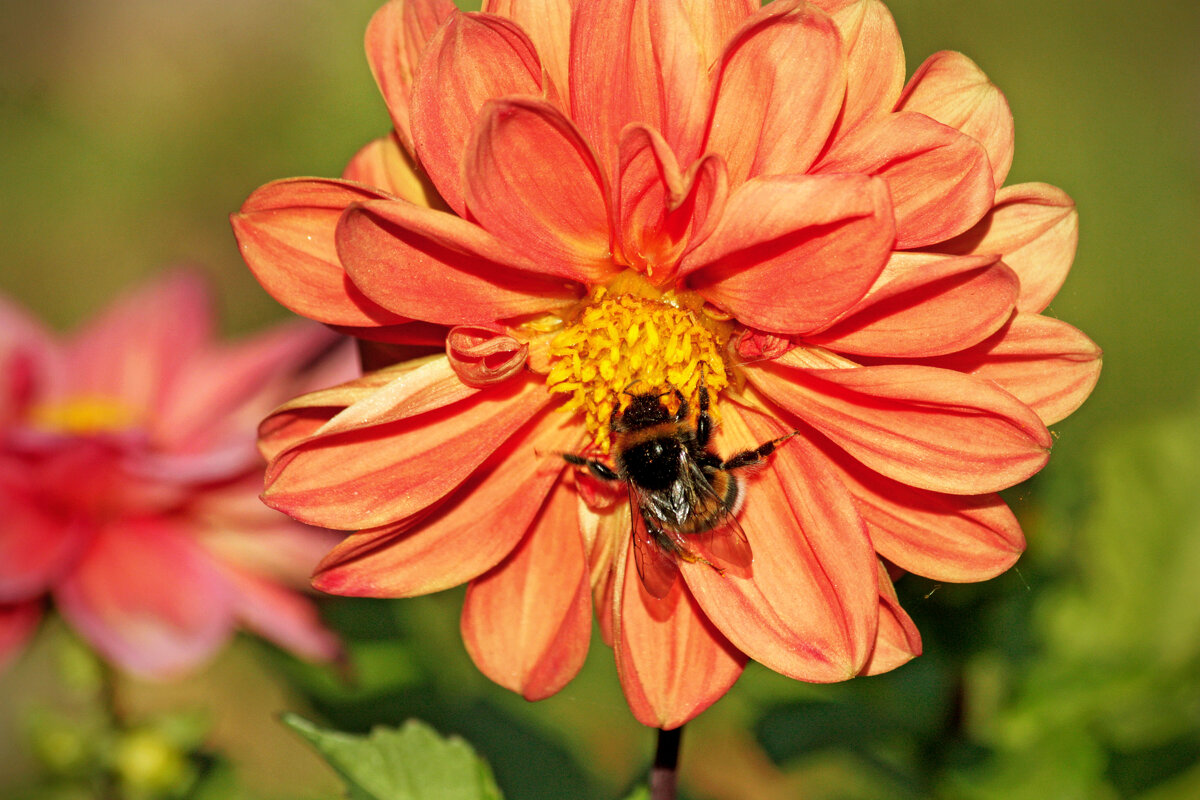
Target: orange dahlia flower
[678, 195]
[129, 475]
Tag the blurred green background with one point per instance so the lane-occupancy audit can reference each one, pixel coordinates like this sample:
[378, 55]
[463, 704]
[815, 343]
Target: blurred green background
[130, 129]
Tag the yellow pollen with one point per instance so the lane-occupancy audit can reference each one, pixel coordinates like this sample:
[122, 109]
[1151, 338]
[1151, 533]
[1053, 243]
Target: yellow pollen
[626, 343]
[84, 415]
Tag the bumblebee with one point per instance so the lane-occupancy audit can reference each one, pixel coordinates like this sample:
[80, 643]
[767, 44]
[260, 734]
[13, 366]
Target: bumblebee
[682, 495]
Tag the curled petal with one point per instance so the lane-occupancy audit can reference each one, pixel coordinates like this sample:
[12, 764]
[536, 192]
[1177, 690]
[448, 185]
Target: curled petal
[396, 37]
[780, 85]
[897, 640]
[952, 89]
[638, 61]
[945, 537]
[792, 253]
[808, 609]
[532, 181]
[874, 58]
[481, 355]
[464, 536]
[940, 179]
[527, 622]
[439, 268]
[926, 305]
[672, 661]
[1035, 228]
[171, 609]
[473, 58]
[1047, 364]
[548, 23]
[930, 428]
[286, 234]
[376, 462]
[754, 345]
[386, 164]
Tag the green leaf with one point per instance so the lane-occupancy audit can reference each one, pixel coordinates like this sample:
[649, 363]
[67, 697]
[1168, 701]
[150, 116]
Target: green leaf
[409, 763]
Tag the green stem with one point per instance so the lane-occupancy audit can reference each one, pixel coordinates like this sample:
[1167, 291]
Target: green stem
[666, 765]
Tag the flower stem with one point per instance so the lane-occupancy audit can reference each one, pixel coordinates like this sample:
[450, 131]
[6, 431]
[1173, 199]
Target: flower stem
[666, 763]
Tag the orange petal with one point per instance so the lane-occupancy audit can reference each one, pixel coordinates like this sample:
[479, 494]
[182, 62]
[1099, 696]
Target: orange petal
[471, 59]
[376, 463]
[1047, 364]
[897, 641]
[945, 537]
[148, 598]
[952, 89]
[527, 622]
[672, 661]
[808, 608]
[930, 428]
[925, 305]
[396, 37]
[638, 61]
[534, 183]
[386, 164]
[548, 24]
[1035, 227]
[286, 234]
[874, 58]
[439, 268]
[780, 85]
[464, 536]
[791, 253]
[940, 180]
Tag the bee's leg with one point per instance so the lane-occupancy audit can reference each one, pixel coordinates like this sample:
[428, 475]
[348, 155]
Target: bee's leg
[749, 458]
[597, 468]
[703, 420]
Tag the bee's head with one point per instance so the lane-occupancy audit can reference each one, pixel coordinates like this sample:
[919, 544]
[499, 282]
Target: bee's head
[643, 411]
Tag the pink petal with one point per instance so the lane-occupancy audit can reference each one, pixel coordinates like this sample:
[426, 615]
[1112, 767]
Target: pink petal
[286, 234]
[142, 342]
[926, 305]
[898, 641]
[18, 621]
[282, 616]
[952, 89]
[396, 37]
[808, 608]
[533, 183]
[476, 527]
[1035, 227]
[672, 661]
[386, 164]
[780, 85]
[528, 621]
[874, 58]
[661, 210]
[792, 253]
[638, 61]
[473, 58]
[548, 24]
[945, 537]
[439, 268]
[1047, 364]
[940, 179]
[39, 542]
[930, 428]
[149, 599]
[30, 359]
[374, 463]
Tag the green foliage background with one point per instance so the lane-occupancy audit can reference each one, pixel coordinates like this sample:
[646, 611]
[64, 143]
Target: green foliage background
[129, 130]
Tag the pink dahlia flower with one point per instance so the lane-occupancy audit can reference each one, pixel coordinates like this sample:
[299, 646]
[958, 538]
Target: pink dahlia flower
[129, 479]
[581, 197]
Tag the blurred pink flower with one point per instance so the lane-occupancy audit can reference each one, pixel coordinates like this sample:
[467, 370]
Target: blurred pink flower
[578, 196]
[129, 480]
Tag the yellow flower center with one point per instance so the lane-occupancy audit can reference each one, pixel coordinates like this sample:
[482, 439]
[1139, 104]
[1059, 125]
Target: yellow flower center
[84, 415]
[631, 338]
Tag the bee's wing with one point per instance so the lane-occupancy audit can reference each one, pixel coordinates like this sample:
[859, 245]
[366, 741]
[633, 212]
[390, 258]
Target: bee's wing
[655, 566]
[725, 544]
